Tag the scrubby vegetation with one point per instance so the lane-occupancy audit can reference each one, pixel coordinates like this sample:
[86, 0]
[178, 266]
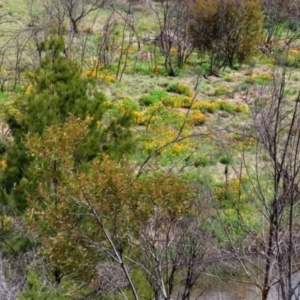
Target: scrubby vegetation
[149, 148]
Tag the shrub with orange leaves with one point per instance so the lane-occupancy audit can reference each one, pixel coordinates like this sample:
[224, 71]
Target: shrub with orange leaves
[75, 210]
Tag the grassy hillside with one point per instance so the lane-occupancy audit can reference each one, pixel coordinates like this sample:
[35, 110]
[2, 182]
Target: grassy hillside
[231, 134]
[194, 123]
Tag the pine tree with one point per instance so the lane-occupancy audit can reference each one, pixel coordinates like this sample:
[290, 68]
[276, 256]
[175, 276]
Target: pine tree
[57, 90]
[35, 289]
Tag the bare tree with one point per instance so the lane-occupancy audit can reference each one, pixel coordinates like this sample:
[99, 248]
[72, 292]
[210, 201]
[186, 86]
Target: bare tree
[268, 254]
[173, 33]
[277, 137]
[280, 16]
[73, 10]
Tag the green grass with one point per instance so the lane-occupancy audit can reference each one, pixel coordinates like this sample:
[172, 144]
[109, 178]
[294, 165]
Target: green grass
[3, 97]
[162, 104]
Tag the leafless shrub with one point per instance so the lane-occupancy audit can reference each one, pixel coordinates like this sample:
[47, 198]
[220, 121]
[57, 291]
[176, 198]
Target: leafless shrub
[110, 278]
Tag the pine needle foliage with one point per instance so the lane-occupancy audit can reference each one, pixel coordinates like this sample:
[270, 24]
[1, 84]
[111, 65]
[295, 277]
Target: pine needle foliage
[57, 90]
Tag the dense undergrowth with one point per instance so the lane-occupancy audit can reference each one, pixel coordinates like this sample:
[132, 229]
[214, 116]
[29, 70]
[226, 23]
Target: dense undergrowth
[131, 156]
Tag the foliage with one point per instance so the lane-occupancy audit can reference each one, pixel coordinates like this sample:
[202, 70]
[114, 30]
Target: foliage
[34, 289]
[222, 90]
[154, 97]
[202, 162]
[235, 213]
[178, 101]
[219, 105]
[147, 100]
[228, 29]
[293, 58]
[262, 79]
[56, 90]
[100, 74]
[281, 19]
[241, 143]
[65, 166]
[226, 160]
[128, 105]
[197, 118]
[125, 106]
[79, 213]
[228, 78]
[168, 132]
[158, 137]
[180, 88]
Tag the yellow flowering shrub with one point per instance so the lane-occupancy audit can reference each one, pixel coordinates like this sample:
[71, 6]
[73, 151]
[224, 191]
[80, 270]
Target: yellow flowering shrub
[206, 107]
[219, 105]
[162, 128]
[177, 101]
[138, 116]
[241, 143]
[158, 136]
[198, 118]
[232, 193]
[293, 58]
[222, 90]
[261, 78]
[128, 105]
[224, 105]
[235, 209]
[103, 75]
[181, 88]
[6, 222]
[3, 164]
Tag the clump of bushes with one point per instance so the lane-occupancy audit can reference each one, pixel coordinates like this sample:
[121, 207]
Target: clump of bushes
[198, 118]
[177, 101]
[180, 88]
[293, 58]
[153, 97]
[219, 105]
[202, 161]
[260, 79]
[128, 104]
[215, 27]
[226, 160]
[222, 90]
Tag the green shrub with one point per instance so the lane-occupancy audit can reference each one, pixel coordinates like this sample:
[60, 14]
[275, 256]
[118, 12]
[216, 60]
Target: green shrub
[293, 58]
[244, 86]
[230, 107]
[226, 160]
[291, 92]
[148, 100]
[228, 78]
[206, 107]
[260, 79]
[222, 90]
[219, 105]
[129, 104]
[177, 101]
[155, 96]
[225, 106]
[202, 162]
[180, 88]
[159, 93]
